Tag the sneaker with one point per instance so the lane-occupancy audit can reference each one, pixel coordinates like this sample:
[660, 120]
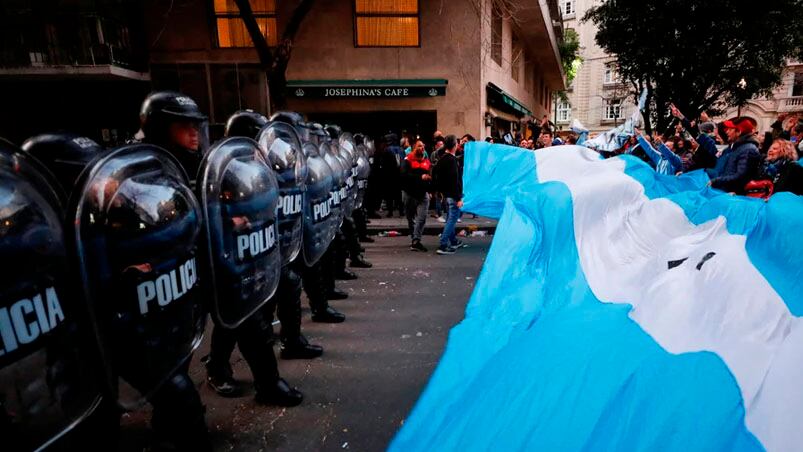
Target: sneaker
[459, 220]
[417, 246]
[459, 244]
[441, 219]
[446, 250]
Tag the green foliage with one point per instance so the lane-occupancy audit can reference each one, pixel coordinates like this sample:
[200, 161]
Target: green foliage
[569, 49]
[694, 53]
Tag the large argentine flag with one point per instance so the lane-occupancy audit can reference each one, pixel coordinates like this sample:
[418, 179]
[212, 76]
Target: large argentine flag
[620, 309]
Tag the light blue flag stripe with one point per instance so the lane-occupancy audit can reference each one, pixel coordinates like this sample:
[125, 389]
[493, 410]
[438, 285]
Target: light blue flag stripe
[541, 363]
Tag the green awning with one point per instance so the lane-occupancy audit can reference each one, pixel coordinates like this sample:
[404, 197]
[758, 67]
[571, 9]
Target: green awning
[498, 98]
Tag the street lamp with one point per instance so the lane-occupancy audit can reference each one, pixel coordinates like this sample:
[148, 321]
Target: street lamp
[742, 85]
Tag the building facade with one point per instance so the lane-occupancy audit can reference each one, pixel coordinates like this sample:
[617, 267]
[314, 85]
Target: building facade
[371, 65]
[599, 100]
[787, 99]
[596, 97]
[78, 65]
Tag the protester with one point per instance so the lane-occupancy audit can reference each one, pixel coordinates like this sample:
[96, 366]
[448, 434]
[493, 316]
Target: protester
[438, 199]
[781, 168]
[743, 159]
[545, 140]
[416, 177]
[391, 158]
[704, 146]
[664, 158]
[448, 182]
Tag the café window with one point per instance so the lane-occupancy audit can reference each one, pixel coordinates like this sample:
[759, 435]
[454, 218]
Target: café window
[386, 23]
[231, 31]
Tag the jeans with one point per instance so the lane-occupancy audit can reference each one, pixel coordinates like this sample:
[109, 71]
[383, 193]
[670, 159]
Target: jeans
[440, 204]
[416, 212]
[448, 236]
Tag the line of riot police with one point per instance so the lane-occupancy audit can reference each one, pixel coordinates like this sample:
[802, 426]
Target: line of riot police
[112, 259]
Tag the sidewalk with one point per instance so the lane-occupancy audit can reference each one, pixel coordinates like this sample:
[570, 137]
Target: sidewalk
[433, 226]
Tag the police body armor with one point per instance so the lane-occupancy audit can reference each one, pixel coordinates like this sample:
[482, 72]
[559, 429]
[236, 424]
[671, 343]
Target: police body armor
[47, 384]
[239, 198]
[319, 227]
[282, 146]
[137, 230]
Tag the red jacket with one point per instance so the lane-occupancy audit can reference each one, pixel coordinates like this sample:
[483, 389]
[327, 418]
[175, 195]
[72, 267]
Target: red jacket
[411, 171]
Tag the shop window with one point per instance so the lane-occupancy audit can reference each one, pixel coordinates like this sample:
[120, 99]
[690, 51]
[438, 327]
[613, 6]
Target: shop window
[231, 31]
[496, 35]
[386, 23]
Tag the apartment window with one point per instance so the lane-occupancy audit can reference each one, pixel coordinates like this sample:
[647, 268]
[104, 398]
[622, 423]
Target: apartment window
[611, 74]
[612, 109]
[564, 111]
[797, 85]
[496, 35]
[529, 69]
[386, 23]
[231, 31]
[567, 7]
[516, 58]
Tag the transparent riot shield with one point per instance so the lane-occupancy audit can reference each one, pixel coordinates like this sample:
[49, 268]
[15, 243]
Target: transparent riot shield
[50, 376]
[363, 173]
[339, 191]
[137, 228]
[319, 228]
[282, 146]
[239, 197]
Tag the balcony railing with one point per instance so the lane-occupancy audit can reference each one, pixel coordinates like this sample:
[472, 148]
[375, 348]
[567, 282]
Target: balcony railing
[787, 104]
[67, 40]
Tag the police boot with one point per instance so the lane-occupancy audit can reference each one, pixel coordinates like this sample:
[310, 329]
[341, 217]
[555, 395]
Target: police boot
[327, 315]
[345, 275]
[298, 347]
[220, 378]
[279, 393]
[336, 294]
[360, 262]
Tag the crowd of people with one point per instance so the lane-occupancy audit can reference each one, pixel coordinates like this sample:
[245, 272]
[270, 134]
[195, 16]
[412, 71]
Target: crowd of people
[735, 156]
[409, 179]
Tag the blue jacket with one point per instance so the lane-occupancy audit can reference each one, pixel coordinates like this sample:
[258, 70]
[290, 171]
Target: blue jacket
[666, 161]
[740, 165]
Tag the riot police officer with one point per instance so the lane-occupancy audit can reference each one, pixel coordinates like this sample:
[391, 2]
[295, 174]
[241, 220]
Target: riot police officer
[363, 174]
[47, 347]
[136, 225]
[175, 122]
[347, 242]
[247, 123]
[317, 268]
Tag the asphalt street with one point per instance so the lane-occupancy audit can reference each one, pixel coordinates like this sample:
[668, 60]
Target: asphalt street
[375, 365]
